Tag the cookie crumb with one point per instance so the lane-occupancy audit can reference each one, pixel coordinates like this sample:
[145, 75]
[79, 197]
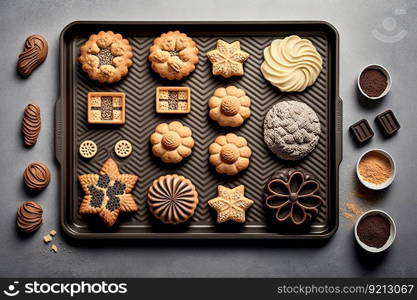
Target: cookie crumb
[52, 232]
[54, 248]
[47, 238]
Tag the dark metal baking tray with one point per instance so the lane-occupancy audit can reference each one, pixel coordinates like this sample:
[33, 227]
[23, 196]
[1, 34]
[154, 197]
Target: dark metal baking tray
[141, 119]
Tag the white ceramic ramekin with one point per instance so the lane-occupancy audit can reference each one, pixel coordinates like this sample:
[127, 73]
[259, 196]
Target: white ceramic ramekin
[386, 183]
[386, 73]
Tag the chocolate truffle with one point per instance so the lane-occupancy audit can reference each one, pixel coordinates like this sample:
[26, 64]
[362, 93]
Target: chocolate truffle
[172, 199]
[29, 216]
[36, 176]
[294, 196]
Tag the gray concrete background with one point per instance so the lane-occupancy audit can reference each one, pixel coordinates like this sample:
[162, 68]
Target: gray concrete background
[355, 20]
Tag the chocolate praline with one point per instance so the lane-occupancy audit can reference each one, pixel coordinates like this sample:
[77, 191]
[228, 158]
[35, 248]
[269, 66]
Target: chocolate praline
[36, 176]
[29, 216]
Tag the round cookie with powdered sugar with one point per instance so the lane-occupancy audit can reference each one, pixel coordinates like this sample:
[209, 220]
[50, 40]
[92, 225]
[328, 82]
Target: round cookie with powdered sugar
[291, 129]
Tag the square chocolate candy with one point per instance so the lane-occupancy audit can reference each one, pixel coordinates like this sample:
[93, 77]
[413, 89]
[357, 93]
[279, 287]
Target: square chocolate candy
[387, 122]
[361, 131]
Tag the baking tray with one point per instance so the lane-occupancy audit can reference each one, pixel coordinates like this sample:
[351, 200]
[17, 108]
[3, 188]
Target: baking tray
[141, 119]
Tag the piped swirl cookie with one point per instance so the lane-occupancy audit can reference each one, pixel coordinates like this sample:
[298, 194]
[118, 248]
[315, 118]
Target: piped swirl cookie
[106, 57]
[291, 64]
[173, 55]
[172, 199]
[33, 54]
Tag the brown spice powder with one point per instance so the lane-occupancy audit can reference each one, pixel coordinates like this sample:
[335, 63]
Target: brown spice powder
[375, 168]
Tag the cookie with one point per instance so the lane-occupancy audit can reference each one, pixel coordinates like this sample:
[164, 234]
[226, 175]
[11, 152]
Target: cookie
[106, 57]
[294, 196]
[229, 106]
[29, 216]
[36, 176]
[108, 193]
[106, 108]
[173, 100]
[291, 64]
[291, 129]
[31, 125]
[172, 199]
[230, 154]
[34, 53]
[230, 204]
[88, 149]
[227, 59]
[172, 142]
[123, 148]
[173, 55]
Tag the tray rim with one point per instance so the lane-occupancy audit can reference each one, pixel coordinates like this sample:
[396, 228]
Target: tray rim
[70, 229]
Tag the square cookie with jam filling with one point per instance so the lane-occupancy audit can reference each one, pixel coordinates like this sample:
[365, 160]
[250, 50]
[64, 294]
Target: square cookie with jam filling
[106, 108]
[173, 100]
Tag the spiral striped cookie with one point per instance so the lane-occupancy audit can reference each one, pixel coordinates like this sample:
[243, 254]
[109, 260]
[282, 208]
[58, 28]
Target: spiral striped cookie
[172, 199]
[291, 64]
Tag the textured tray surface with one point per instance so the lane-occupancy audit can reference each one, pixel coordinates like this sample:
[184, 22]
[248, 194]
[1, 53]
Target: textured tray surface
[141, 119]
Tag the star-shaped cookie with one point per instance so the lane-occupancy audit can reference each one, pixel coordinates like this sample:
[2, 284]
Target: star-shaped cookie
[108, 192]
[230, 204]
[227, 59]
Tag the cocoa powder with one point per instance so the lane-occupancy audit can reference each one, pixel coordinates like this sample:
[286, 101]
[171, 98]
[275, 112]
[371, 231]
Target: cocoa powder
[373, 82]
[374, 230]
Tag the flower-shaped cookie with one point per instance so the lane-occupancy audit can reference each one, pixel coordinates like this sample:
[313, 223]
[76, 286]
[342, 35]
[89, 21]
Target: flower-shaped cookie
[230, 154]
[294, 196]
[106, 57]
[229, 106]
[172, 142]
[173, 55]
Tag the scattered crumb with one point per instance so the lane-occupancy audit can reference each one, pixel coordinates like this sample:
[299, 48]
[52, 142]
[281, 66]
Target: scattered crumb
[355, 208]
[52, 232]
[54, 248]
[348, 216]
[47, 238]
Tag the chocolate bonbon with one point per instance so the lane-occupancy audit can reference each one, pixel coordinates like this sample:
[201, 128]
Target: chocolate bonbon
[31, 125]
[34, 53]
[36, 176]
[29, 216]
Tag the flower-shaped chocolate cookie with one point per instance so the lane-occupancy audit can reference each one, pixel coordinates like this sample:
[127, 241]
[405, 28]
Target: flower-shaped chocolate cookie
[229, 106]
[172, 142]
[230, 154]
[294, 195]
[106, 57]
